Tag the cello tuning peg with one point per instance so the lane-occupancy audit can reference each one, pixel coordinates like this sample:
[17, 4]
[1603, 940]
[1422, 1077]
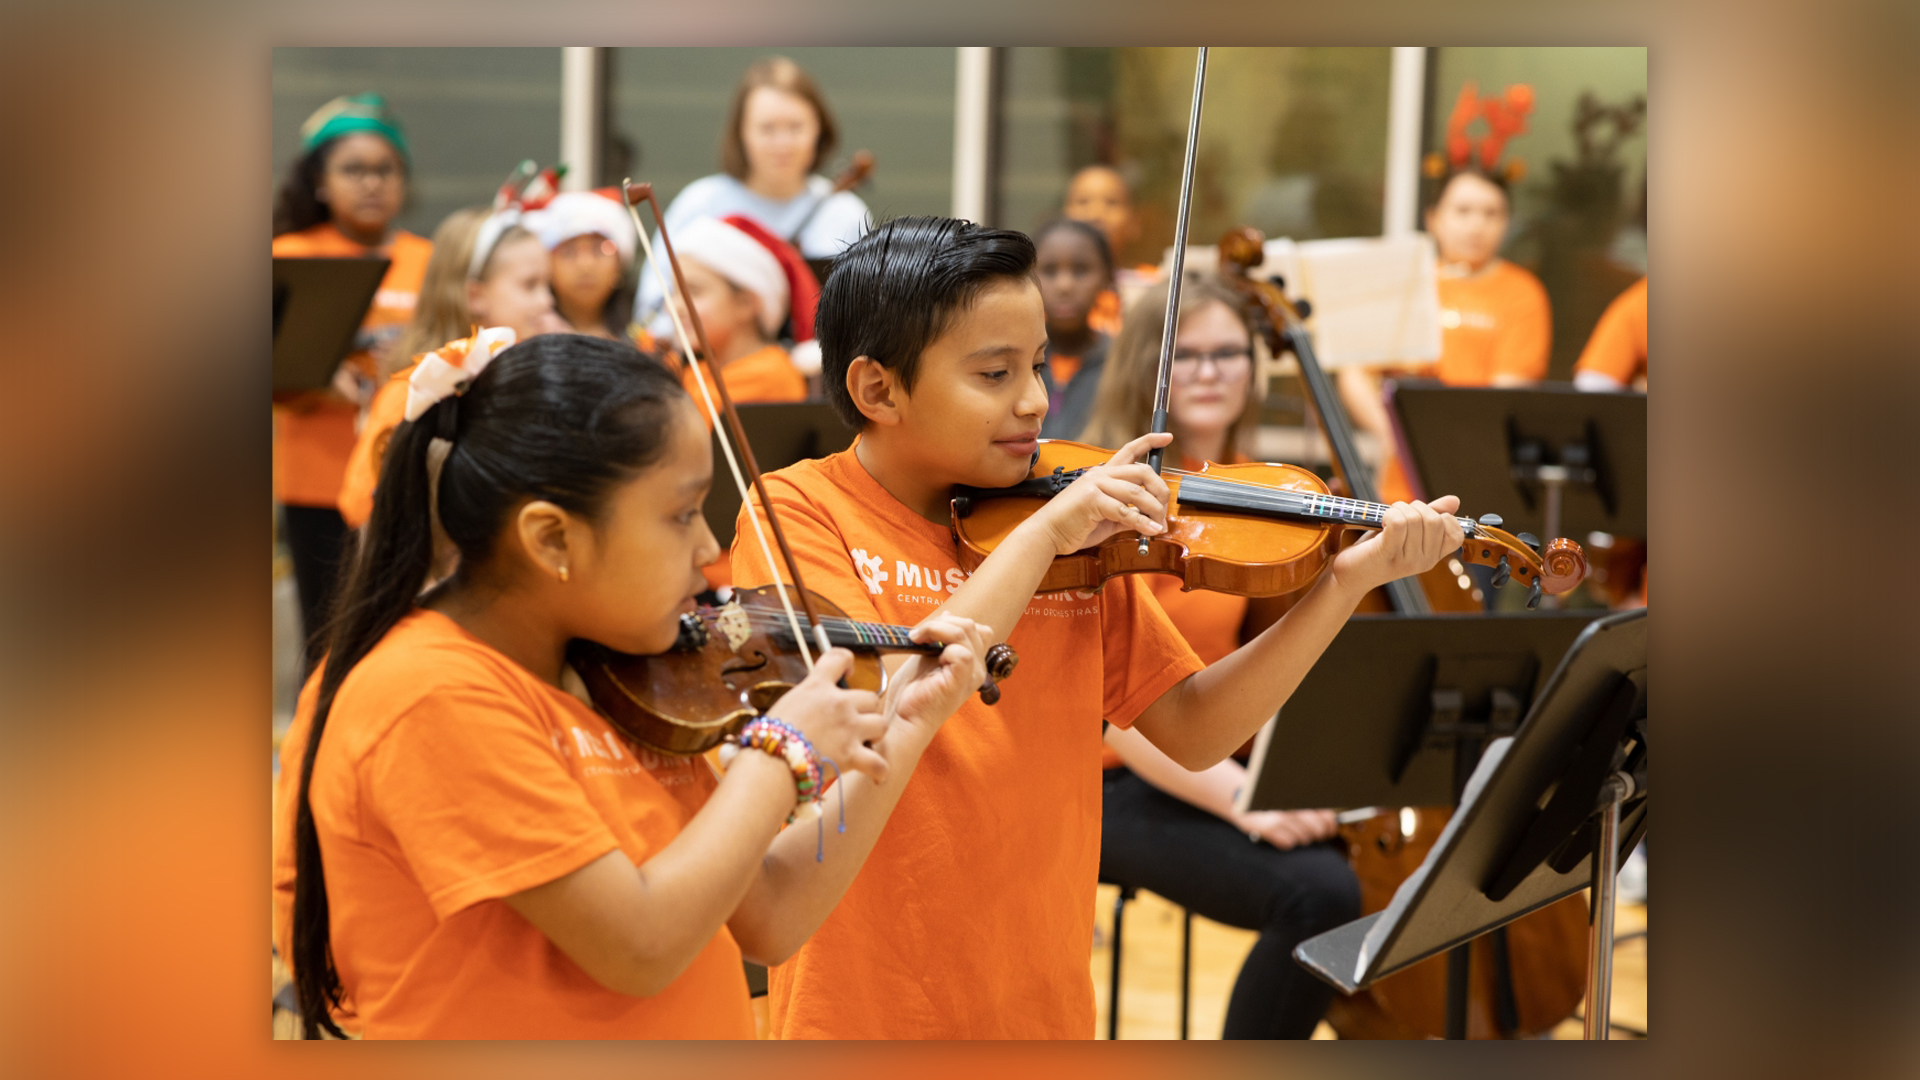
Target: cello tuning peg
[1533, 595]
[1502, 573]
[1491, 521]
[1531, 541]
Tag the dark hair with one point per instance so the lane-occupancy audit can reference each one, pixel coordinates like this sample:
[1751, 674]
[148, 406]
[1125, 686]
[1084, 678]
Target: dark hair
[898, 288]
[1437, 187]
[298, 205]
[561, 417]
[788, 77]
[1091, 232]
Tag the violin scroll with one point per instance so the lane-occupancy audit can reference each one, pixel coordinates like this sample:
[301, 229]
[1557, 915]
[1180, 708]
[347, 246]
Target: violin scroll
[1556, 569]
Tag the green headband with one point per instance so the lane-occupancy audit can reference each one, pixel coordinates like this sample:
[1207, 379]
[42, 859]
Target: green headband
[351, 113]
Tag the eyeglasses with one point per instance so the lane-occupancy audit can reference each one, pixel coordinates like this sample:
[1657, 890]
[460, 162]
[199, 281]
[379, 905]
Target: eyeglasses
[357, 173]
[1186, 364]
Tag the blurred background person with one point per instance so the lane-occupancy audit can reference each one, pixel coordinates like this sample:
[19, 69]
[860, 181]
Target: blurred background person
[338, 200]
[590, 238]
[1075, 270]
[779, 131]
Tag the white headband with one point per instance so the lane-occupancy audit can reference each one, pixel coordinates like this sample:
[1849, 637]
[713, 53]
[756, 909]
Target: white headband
[741, 259]
[489, 235]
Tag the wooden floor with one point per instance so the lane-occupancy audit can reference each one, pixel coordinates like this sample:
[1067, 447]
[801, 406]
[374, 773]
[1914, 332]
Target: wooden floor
[1150, 972]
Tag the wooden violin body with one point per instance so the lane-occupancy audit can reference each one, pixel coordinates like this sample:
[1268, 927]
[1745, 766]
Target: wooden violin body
[733, 662]
[1250, 530]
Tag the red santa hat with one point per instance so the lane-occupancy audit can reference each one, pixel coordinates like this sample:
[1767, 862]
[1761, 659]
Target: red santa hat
[744, 252]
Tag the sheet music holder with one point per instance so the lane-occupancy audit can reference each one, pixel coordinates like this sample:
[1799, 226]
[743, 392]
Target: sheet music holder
[1547, 812]
[318, 305]
[1554, 460]
[1395, 711]
[781, 434]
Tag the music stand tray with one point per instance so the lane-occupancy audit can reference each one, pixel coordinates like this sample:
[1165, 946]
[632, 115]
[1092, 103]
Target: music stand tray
[1546, 813]
[1395, 711]
[318, 305]
[781, 434]
[1550, 460]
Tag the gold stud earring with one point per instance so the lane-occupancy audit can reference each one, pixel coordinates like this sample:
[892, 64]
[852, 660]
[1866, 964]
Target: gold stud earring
[563, 574]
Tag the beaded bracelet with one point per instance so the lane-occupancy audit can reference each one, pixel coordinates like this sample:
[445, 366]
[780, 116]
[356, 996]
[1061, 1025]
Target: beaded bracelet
[784, 741]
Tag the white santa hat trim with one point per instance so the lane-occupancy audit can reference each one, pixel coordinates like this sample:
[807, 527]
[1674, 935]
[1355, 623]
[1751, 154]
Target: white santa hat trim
[582, 213]
[741, 259]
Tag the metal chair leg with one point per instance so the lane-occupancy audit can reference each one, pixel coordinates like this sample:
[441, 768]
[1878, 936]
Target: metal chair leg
[1186, 965]
[1113, 983]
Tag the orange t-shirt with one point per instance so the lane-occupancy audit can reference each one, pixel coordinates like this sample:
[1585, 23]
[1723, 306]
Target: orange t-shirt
[1494, 323]
[313, 431]
[387, 410]
[764, 375]
[450, 778]
[973, 917]
[1105, 315]
[1618, 347]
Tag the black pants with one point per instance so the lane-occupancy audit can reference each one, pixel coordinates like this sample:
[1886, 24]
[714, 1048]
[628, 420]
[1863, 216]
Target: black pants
[1154, 841]
[316, 539]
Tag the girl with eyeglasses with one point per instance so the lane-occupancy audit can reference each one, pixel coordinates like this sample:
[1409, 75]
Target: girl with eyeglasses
[339, 200]
[1164, 828]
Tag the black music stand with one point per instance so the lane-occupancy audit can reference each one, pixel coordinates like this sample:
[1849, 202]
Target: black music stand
[317, 308]
[1395, 711]
[781, 434]
[1547, 812]
[1549, 459]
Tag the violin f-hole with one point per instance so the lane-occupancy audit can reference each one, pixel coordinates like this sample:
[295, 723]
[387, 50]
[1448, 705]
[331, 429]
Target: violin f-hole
[742, 664]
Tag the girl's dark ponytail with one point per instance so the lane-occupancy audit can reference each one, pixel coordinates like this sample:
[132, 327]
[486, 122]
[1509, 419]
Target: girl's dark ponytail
[560, 417]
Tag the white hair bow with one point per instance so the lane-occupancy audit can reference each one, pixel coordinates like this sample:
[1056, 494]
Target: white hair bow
[449, 368]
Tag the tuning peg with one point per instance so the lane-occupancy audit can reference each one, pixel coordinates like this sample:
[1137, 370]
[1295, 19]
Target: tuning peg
[1531, 541]
[1533, 595]
[1303, 307]
[1491, 521]
[1502, 573]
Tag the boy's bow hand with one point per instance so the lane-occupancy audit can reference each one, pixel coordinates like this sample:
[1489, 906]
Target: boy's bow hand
[1124, 495]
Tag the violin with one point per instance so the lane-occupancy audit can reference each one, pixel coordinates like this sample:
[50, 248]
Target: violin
[731, 663]
[1250, 530]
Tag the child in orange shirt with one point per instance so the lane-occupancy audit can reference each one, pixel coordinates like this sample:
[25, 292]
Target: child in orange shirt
[467, 849]
[1163, 827]
[339, 201]
[1496, 328]
[1616, 355]
[1074, 269]
[507, 286]
[591, 239]
[745, 283]
[974, 916]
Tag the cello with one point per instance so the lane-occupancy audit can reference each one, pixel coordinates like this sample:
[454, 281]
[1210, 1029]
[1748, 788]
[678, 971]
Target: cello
[1522, 978]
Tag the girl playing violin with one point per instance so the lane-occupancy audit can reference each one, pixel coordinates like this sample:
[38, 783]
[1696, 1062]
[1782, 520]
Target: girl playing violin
[1163, 827]
[974, 917]
[465, 848]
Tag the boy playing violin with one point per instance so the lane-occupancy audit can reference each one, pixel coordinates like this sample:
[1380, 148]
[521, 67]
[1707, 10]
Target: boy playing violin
[974, 915]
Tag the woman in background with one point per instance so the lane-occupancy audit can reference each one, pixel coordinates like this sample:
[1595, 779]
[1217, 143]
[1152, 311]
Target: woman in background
[779, 132]
[1163, 827]
[339, 200]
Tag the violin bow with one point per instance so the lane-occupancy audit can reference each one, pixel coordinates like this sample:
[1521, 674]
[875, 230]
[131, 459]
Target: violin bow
[1165, 377]
[631, 194]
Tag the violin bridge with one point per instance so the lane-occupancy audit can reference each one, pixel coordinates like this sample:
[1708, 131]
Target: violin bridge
[731, 619]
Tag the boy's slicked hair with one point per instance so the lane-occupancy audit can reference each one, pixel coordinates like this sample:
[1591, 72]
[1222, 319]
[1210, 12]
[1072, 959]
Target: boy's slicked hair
[898, 288]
